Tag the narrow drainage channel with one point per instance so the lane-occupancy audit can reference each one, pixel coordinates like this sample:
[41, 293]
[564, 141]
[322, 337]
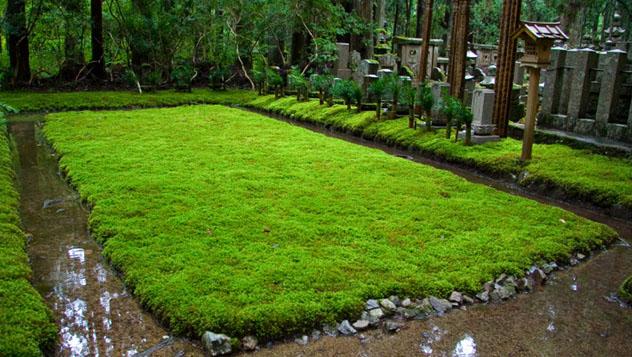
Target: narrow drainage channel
[95, 314]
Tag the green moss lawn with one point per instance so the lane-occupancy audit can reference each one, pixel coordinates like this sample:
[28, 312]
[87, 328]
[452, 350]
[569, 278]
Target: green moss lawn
[229, 221]
[64, 101]
[581, 174]
[26, 326]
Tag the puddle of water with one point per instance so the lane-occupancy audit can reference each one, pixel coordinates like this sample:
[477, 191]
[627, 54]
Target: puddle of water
[94, 313]
[465, 348]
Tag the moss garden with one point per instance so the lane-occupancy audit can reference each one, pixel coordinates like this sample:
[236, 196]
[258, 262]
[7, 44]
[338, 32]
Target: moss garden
[230, 221]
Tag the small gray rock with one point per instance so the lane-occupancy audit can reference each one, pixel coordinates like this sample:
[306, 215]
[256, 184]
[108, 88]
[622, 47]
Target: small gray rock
[216, 344]
[483, 296]
[511, 281]
[346, 329]
[456, 297]
[372, 304]
[539, 276]
[468, 300]
[52, 203]
[249, 343]
[503, 293]
[388, 305]
[395, 300]
[440, 305]
[581, 256]
[316, 335]
[392, 326]
[425, 306]
[501, 278]
[574, 261]
[375, 315]
[303, 340]
[406, 302]
[549, 267]
[361, 325]
[329, 330]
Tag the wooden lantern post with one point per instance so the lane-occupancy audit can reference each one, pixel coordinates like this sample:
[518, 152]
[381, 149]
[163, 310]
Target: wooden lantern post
[538, 38]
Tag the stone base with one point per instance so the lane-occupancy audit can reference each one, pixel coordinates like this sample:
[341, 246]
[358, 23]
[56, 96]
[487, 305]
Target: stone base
[344, 73]
[585, 127]
[481, 129]
[617, 132]
[479, 139]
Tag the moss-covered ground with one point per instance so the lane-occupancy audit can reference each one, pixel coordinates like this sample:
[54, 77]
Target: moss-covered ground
[230, 221]
[578, 174]
[26, 326]
[64, 101]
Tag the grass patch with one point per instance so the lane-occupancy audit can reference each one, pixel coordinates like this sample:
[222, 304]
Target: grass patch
[233, 222]
[64, 101]
[26, 327]
[579, 174]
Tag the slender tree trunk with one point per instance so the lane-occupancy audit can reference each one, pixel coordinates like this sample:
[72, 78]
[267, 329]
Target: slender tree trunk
[409, 10]
[396, 19]
[425, 46]
[73, 51]
[420, 18]
[97, 62]
[18, 40]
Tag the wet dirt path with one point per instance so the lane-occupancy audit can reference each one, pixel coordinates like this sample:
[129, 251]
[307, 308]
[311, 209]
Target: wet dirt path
[573, 315]
[95, 314]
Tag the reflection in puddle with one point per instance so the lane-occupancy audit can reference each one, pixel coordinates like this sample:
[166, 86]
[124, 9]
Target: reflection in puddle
[77, 253]
[428, 338]
[465, 348]
[67, 268]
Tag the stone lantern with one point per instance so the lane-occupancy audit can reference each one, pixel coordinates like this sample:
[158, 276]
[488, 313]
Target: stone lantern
[538, 39]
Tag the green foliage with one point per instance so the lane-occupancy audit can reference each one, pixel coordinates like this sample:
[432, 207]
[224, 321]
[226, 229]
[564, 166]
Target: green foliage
[348, 91]
[182, 76]
[449, 106]
[298, 82]
[579, 174]
[260, 74]
[301, 228]
[217, 77]
[275, 81]
[377, 90]
[5, 109]
[394, 92]
[26, 324]
[323, 83]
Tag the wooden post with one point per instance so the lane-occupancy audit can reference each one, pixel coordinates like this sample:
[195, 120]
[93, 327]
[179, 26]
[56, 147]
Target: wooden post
[425, 45]
[533, 103]
[510, 22]
[458, 47]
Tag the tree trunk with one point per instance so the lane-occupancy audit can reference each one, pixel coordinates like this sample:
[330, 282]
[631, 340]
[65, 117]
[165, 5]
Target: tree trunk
[420, 17]
[141, 38]
[73, 51]
[18, 41]
[571, 21]
[409, 10]
[510, 22]
[363, 43]
[396, 19]
[97, 62]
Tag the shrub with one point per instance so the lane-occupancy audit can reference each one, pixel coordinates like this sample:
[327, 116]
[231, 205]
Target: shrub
[348, 91]
[275, 81]
[394, 90]
[322, 83]
[260, 75]
[299, 83]
[426, 102]
[448, 106]
[217, 77]
[378, 89]
[182, 76]
[408, 97]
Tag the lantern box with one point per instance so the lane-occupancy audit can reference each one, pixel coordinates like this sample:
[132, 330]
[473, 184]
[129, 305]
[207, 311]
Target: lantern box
[538, 39]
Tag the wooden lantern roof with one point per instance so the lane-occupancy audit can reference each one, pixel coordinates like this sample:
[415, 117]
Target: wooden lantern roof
[538, 31]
